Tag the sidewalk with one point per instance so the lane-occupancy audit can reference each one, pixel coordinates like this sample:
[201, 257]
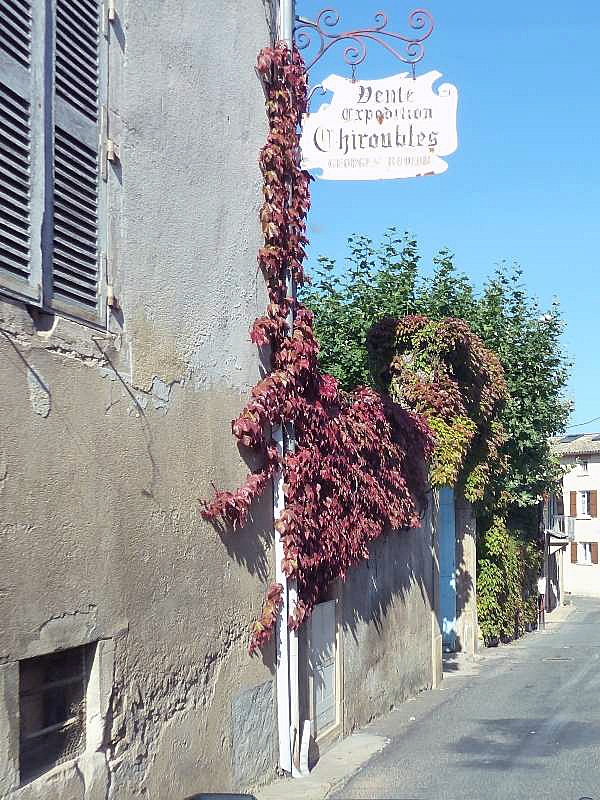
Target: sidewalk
[334, 768]
[559, 615]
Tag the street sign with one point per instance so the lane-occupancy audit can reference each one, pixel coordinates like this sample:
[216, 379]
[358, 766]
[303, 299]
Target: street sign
[395, 127]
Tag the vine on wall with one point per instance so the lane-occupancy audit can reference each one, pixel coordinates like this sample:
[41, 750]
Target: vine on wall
[441, 369]
[359, 465]
[507, 569]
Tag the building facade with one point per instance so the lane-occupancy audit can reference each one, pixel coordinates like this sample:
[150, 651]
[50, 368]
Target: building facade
[130, 193]
[573, 517]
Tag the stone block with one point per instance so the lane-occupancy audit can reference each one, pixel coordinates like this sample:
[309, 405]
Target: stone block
[253, 726]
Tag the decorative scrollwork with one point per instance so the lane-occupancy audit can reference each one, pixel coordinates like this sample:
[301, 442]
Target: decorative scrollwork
[321, 33]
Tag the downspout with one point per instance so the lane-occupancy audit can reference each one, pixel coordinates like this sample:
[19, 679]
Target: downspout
[286, 21]
[282, 643]
[288, 705]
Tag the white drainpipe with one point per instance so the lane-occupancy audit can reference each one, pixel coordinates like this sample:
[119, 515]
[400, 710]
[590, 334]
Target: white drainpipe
[282, 642]
[287, 16]
[288, 711]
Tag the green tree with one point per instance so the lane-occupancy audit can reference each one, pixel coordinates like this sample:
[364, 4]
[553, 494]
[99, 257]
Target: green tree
[447, 293]
[386, 280]
[528, 344]
[378, 281]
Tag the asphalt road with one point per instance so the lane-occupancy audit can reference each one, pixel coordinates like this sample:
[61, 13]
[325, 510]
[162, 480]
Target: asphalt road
[523, 722]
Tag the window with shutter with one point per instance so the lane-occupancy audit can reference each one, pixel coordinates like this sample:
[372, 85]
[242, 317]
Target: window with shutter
[53, 141]
[77, 196]
[573, 504]
[584, 553]
[21, 147]
[593, 503]
[573, 552]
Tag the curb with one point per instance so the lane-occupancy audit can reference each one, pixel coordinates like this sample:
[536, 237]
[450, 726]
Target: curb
[334, 768]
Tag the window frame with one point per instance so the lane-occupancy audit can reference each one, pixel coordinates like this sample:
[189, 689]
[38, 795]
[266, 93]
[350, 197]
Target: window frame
[33, 771]
[100, 688]
[585, 547]
[583, 503]
[37, 289]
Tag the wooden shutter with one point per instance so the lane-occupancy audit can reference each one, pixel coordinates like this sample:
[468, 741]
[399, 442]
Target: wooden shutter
[560, 505]
[21, 146]
[594, 552]
[593, 509]
[573, 510]
[573, 552]
[78, 190]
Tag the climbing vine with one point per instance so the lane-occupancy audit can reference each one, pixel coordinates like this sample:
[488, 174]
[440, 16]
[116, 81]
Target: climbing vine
[507, 570]
[443, 370]
[358, 467]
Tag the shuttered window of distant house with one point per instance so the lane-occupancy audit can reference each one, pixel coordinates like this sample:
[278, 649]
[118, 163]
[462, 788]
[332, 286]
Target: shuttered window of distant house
[593, 503]
[573, 552]
[68, 95]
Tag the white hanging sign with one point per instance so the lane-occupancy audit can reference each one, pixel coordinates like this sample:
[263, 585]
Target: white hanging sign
[396, 127]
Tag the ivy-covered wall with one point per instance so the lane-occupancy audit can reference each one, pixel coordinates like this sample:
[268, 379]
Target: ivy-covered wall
[441, 369]
[357, 467]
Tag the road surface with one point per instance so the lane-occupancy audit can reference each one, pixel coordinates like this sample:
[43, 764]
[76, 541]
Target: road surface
[522, 722]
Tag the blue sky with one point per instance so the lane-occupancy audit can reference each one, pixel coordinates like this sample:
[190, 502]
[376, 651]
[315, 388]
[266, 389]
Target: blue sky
[524, 184]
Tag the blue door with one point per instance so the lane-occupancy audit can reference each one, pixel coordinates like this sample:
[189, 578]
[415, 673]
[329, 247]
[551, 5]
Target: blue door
[447, 539]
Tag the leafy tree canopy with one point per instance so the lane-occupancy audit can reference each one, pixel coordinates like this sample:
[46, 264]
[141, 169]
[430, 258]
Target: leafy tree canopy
[387, 280]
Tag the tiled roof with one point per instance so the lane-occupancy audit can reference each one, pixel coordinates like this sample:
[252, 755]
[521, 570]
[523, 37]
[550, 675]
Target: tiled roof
[577, 444]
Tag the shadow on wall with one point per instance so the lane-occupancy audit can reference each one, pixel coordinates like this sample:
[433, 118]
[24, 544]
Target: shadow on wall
[270, 17]
[465, 587]
[251, 546]
[398, 562]
[252, 549]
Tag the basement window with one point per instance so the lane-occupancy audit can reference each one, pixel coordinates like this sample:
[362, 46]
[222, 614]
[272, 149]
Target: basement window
[52, 691]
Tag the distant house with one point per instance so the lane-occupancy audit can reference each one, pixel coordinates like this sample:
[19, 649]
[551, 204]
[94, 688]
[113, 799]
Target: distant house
[572, 523]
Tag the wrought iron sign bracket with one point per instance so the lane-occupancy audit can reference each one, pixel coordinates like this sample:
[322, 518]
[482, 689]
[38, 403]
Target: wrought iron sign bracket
[322, 34]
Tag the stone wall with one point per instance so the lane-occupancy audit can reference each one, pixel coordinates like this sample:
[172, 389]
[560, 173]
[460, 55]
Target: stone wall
[388, 625]
[466, 572]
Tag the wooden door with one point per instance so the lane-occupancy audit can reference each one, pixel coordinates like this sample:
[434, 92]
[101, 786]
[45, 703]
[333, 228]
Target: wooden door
[323, 667]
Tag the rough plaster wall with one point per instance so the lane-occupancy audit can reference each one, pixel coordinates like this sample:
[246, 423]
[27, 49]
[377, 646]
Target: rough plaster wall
[189, 114]
[387, 621]
[107, 441]
[466, 569]
[102, 525]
